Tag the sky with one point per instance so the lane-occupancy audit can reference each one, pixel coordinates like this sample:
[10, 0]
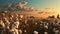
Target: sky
[38, 4]
[53, 4]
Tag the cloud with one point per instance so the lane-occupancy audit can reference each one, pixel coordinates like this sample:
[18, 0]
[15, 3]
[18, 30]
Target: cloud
[9, 5]
[22, 4]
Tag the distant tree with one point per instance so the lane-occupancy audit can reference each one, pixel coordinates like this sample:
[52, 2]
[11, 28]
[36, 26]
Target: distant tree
[32, 17]
[51, 16]
[58, 16]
